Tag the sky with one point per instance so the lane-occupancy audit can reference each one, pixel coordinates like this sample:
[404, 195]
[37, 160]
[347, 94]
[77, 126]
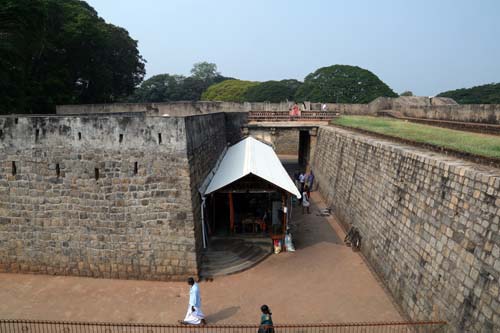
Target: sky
[425, 46]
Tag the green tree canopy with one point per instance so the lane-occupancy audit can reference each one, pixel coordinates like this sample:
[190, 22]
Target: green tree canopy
[205, 71]
[58, 52]
[273, 91]
[160, 88]
[171, 87]
[229, 90]
[485, 94]
[342, 84]
[406, 93]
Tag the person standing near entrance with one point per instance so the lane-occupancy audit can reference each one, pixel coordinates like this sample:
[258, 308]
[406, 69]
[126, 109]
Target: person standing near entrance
[305, 200]
[194, 315]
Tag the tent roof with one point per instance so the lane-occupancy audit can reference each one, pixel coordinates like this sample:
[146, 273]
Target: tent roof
[250, 156]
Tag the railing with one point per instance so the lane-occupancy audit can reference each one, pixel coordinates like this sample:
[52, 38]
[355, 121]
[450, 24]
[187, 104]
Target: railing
[41, 326]
[285, 116]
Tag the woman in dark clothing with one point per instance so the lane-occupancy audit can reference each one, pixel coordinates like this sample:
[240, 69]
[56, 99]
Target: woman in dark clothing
[266, 320]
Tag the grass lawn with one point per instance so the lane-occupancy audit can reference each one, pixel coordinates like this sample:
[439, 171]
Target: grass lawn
[474, 143]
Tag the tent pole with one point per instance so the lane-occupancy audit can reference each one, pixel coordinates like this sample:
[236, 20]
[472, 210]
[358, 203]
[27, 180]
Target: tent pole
[284, 207]
[203, 222]
[231, 212]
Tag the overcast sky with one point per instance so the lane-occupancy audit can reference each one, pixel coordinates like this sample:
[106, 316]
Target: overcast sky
[427, 46]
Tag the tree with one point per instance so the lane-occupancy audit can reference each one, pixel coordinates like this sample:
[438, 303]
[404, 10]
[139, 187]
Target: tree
[406, 93]
[171, 87]
[273, 91]
[342, 84]
[229, 90]
[160, 88]
[62, 53]
[484, 94]
[204, 71]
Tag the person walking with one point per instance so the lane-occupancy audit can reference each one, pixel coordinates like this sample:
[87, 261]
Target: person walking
[302, 180]
[194, 315]
[266, 320]
[310, 180]
[305, 200]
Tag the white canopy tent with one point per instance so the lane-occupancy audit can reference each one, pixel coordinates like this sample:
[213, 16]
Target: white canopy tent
[251, 156]
[247, 157]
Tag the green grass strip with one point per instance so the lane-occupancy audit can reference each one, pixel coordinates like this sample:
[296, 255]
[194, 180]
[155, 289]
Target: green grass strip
[474, 143]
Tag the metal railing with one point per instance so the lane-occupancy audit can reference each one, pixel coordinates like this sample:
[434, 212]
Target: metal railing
[42, 326]
[285, 116]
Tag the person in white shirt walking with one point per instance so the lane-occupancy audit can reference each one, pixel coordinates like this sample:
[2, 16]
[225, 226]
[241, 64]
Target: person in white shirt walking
[194, 315]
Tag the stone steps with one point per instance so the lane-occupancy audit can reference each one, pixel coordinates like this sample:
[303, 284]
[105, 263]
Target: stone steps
[230, 256]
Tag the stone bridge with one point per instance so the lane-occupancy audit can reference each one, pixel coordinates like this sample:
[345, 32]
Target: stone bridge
[297, 138]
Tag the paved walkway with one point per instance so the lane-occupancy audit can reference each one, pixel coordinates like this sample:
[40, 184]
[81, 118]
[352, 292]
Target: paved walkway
[323, 281]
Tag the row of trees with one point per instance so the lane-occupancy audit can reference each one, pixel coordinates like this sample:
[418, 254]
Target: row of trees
[60, 52]
[485, 94]
[337, 84]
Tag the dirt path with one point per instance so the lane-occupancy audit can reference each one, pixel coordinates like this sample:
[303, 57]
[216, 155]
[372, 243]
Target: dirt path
[323, 281]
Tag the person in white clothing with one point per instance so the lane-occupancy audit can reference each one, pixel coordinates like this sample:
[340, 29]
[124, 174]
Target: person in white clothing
[302, 180]
[194, 315]
[305, 200]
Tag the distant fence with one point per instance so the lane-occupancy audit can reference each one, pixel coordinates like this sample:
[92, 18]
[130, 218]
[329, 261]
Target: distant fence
[40, 326]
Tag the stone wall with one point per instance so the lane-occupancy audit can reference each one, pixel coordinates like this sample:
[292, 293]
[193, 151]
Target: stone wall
[439, 108]
[206, 140]
[476, 113]
[100, 196]
[429, 224]
[174, 109]
[177, 109]
[235, 121]
[418, 107]
[286, 141]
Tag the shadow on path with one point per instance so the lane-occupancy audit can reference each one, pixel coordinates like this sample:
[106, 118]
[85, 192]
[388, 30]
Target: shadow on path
[222, 314]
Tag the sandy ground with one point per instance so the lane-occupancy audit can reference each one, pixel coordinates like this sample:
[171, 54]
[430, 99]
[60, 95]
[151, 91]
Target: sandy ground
[323, 281]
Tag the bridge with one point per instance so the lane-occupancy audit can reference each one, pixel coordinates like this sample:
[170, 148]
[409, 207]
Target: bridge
[289, 135]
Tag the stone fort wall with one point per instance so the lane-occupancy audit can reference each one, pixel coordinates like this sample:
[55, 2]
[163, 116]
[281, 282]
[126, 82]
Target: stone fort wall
[418, 107]
[104, 196]
[187, 108]
[429, 224]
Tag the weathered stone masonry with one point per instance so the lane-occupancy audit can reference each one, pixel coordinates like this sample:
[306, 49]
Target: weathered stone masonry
[102, 196]
[429, 224]
[206, 141]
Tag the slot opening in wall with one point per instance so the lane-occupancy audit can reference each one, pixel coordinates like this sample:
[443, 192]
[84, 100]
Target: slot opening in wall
[159, 137]
[79, 135]
[120, 139]
[96, 173]
[37, 134]
[14, 168]
[136, 168]
[1, 134]
[16, 121]
[58, 170]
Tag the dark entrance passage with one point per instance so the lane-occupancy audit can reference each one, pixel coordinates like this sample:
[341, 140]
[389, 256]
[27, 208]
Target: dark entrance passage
[304, 147]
